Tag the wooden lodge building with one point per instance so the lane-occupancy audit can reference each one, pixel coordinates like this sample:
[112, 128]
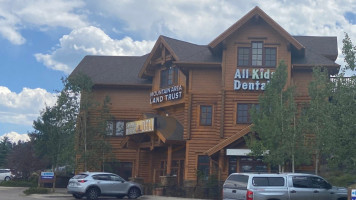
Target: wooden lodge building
[183, 109]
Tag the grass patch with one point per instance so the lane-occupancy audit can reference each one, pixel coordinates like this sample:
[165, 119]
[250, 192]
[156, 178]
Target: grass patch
[36, 190]
[18, 183]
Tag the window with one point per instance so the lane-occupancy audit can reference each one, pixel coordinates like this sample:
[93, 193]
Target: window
[206, 114]
[301, 182]
[268, 181]
[203, 167]
[243, 112]
[270, 57]
[169, 77]
[116, 128]
[257, 55]
[244, 56]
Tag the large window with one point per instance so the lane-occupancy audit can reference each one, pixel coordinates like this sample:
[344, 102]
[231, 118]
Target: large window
[243, 112]
[116, 128]
[257, 55]
[169, 77]
[206, 115]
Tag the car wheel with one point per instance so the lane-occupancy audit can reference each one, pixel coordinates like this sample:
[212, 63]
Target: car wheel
[7, 178]
[133, 193]
[92, 194]
[78, 196]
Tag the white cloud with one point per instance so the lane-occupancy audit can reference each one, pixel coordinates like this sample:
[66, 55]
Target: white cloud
[90, 41]
[15, 137]
[16, 15]
[24, 107]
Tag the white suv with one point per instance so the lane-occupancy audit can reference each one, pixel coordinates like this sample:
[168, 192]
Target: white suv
[94, 184]
[5, 175]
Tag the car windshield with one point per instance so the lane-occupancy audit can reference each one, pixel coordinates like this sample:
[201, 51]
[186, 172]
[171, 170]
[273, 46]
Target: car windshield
[80, 176]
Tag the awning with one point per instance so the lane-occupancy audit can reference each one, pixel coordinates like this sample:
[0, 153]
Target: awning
[228, 141]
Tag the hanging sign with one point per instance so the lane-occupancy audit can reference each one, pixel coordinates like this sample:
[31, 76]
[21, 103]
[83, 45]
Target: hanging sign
[166, 94]
[140, 126]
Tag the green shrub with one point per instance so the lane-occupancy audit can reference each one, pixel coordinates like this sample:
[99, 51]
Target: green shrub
[36, 190]
[18, 183]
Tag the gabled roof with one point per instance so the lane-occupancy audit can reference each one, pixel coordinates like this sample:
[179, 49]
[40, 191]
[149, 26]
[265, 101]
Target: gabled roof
[256, 12]
[182, 52]
[112, 70]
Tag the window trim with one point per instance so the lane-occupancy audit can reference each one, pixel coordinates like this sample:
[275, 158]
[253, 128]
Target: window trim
[113, 131]
[200, 115]
[168, 76]
[249, 107]
[264, 47]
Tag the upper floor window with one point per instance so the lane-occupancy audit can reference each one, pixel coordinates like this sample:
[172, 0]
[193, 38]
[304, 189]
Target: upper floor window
[169, 77]
[257, 55]
[243, 112]
[244, 56]
[116, 128]
[270, 57]
[206, 115]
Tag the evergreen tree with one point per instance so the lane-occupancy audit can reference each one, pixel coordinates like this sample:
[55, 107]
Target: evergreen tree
[5, 149]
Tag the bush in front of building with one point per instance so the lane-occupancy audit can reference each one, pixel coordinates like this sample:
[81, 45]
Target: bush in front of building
[36, 190]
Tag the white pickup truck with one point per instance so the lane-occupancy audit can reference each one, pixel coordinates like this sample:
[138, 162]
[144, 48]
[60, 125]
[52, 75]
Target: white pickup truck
[289, 186]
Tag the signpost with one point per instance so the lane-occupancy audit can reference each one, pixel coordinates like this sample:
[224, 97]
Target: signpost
[47, 177]
[353, 194]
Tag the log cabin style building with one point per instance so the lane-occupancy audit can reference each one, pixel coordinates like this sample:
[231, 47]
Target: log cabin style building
[183, 109]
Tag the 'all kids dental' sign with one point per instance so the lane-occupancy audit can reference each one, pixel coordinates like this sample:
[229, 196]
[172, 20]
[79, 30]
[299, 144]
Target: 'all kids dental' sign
[252, 79]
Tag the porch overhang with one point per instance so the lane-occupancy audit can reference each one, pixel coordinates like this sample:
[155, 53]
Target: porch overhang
[228, 141]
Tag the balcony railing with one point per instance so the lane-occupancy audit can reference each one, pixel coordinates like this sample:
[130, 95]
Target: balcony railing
[344, 80]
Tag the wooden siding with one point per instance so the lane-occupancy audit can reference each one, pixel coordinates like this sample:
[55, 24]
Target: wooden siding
[252, 32]
[301, 80]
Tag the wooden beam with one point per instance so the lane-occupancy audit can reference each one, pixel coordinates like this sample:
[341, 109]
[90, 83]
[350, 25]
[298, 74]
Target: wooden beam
[222, 114]
[169, 159]
[137, 162]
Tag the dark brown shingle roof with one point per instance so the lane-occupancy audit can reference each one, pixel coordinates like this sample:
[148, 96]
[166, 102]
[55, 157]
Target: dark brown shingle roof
[113, 70]
[318, 51]
[188, 52]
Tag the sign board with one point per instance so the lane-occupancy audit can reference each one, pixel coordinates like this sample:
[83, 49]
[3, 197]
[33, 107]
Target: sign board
[353, 194]
[252, 79]
[140, 126]
[166, 94]
[47, 175]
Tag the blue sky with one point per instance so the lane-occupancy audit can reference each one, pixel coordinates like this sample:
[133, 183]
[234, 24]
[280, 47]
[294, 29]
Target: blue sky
[42, 41]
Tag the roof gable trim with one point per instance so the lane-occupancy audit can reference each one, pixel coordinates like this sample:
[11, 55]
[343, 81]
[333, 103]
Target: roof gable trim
[253, 13]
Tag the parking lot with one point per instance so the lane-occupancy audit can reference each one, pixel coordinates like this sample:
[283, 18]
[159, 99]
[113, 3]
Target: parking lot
[16, 193]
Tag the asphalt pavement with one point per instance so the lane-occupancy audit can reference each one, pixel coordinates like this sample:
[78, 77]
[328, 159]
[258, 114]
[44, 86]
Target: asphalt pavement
[16, 193]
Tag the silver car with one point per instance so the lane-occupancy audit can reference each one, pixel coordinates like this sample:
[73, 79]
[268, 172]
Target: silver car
[289, 186]
[95, 184]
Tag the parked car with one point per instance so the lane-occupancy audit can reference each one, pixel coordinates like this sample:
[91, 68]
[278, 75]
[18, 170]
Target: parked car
[95, 184]
[292, 186]
[5, 175]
